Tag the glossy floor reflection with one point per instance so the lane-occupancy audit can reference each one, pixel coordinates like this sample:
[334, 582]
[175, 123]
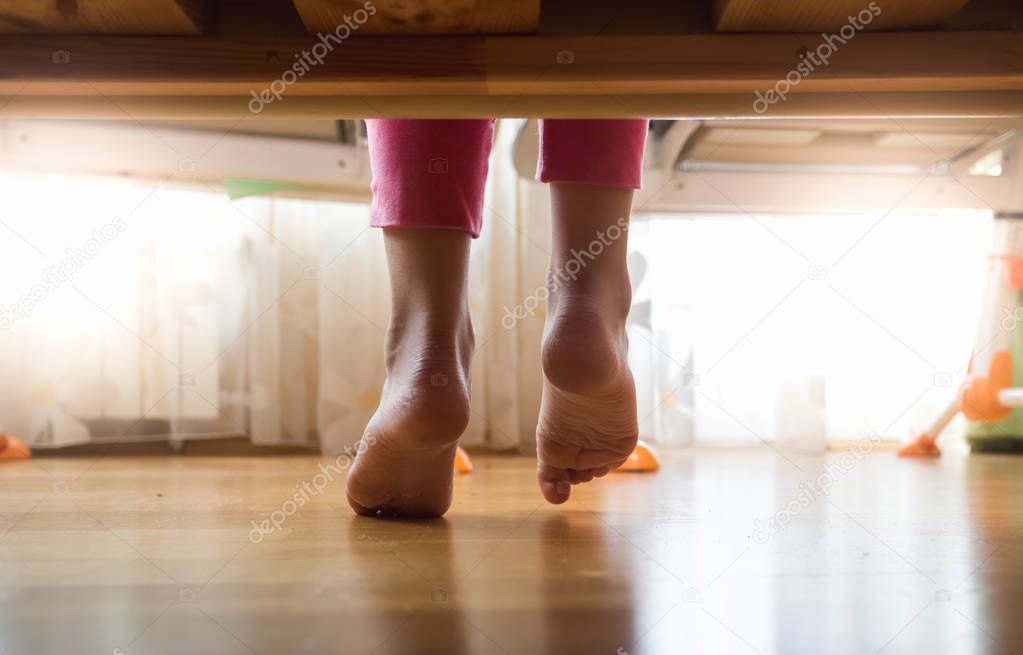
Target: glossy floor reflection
[720, 552]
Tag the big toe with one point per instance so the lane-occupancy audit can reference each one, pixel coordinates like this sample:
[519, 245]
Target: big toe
[555, 483]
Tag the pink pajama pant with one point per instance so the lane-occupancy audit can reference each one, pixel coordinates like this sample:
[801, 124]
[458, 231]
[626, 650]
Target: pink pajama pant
[431, 173]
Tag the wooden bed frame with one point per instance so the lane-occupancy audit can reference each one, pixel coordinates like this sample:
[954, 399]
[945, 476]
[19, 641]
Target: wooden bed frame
[649, 59]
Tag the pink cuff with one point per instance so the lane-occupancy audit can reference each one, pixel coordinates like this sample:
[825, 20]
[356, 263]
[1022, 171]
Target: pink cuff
[597, 152]
[429, 173]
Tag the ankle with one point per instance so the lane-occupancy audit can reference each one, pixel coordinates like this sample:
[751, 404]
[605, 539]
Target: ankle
[429, 337]
[606, 293]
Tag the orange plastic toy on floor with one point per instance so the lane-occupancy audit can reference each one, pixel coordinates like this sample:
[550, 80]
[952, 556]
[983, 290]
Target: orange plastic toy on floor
[925, 445]
[979, 399]
[980, 394]
[463, 464]
[642, 460]
[13, 448]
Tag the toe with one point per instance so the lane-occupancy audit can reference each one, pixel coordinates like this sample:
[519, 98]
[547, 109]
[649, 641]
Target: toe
[555, 492]
[579, 477]
[554, 484]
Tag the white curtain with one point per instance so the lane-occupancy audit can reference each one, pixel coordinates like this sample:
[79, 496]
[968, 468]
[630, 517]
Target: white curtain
[180, 314]
[184, 321]
[864, 329]
[198, 316]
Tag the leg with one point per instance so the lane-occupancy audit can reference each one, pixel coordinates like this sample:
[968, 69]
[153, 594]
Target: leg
[428, 187]
[406, 466]
[588, 424]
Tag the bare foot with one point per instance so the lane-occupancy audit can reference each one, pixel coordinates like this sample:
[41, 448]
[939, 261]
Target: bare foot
[407, 463]
[587, 425]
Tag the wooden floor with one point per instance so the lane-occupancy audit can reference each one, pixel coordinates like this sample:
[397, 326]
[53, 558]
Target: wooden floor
[159, 555]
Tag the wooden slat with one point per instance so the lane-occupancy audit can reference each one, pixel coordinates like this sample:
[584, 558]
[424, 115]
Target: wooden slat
[420, 16]
[234, 67]
[509, 75]
[502, 65]
[830, 15]
[100, 17]
[884, 106]
[715, 63]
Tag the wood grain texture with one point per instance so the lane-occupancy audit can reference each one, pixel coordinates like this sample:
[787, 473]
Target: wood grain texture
[153, 555]
[830, 16]
[883, 106]
[508, 75]
[100, 17]
[421, 16]
[514, 65]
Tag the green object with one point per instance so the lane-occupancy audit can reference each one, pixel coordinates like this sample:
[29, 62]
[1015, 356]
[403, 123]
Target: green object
[243, 188]
[1007, 435]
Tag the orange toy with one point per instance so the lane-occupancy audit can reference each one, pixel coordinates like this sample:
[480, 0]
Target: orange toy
[987, 396]
[924, 445]
[642, 460]
[980, 394]
[13, 448]
[982, 399]
[463, 464]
